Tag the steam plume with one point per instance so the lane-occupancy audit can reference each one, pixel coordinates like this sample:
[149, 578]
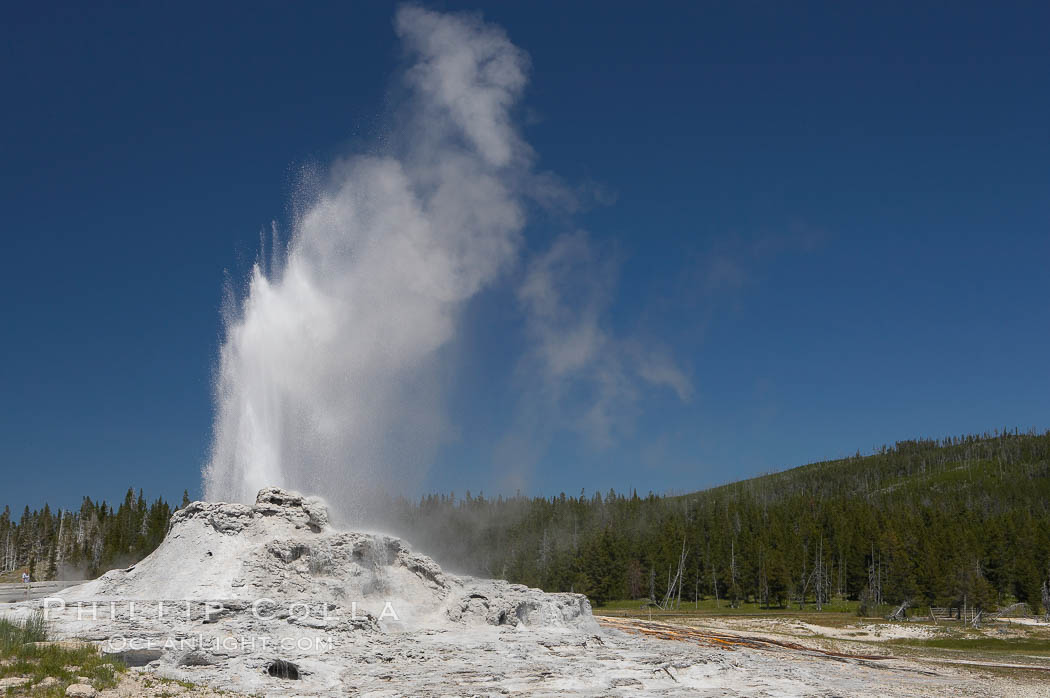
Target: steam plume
[326, 372]
[328, 378]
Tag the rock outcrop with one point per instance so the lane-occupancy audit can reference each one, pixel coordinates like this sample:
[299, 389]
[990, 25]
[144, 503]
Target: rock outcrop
[282, 551]
[265, 594]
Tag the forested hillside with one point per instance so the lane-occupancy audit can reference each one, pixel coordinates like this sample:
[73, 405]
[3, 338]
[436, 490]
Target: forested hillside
[941, 522]
[938, 522]
[81, 543]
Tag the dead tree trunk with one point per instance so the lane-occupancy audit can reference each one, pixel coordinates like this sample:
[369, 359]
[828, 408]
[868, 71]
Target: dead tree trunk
[674, 586]
[1046, 600]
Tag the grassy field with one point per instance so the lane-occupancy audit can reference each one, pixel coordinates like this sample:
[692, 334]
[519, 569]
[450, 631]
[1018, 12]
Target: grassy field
[20, 657]
[979, 643]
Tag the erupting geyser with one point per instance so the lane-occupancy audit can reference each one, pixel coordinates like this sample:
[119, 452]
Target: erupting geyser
[326, 374]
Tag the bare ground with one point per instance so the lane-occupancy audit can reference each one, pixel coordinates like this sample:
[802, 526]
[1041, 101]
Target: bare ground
[912, 658]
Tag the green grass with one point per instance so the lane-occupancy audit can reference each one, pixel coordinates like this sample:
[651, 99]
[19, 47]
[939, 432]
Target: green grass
[38, 663]
[982, 644]
[14, 635]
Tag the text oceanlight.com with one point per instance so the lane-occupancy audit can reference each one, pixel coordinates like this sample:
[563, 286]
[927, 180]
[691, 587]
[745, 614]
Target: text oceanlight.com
[243, 643]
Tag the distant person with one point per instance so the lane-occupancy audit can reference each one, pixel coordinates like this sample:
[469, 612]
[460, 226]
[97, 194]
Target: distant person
[25, 580]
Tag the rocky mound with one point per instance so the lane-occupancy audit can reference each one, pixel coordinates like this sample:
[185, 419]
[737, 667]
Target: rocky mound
[282, 551]
[270, 598]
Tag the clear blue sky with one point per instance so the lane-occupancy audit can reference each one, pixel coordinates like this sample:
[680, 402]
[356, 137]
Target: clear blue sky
[835, 216]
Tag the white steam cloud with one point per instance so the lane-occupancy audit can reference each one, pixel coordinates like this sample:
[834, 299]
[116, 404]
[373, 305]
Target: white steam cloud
[325, 372]
[329, 377]
[594, 377]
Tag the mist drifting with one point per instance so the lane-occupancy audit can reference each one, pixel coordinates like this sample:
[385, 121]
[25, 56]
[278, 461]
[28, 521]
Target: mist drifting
[328, 376]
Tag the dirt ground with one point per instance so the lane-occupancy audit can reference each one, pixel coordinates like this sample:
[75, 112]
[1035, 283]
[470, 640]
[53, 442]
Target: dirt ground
[136, 684]
[1010, 657]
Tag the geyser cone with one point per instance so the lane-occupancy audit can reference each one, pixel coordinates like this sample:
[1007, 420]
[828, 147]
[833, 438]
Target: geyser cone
[283, 549]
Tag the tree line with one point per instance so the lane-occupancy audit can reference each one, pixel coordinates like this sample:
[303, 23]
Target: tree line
[943, 522]
[82, 543]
